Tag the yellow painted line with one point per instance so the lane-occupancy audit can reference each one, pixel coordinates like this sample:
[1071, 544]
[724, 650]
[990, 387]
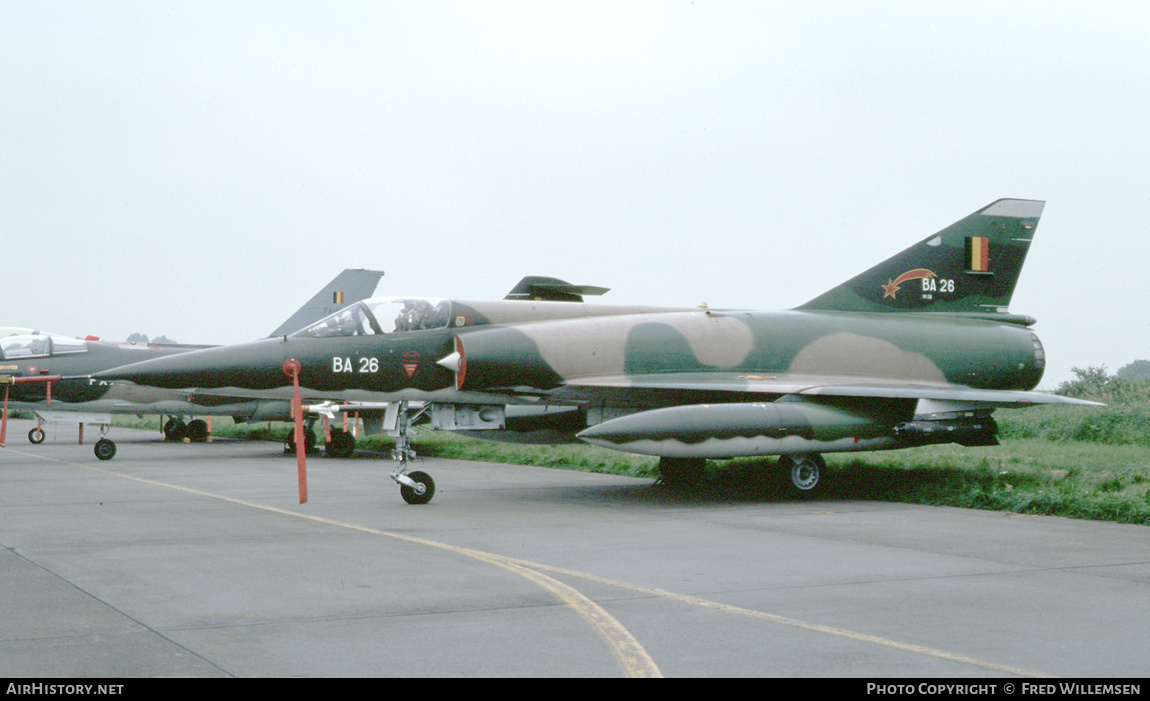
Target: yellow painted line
[630, 655]
[793, 623]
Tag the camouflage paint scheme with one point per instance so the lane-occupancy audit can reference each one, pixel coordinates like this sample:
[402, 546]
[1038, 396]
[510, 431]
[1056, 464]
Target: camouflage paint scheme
[918, 349]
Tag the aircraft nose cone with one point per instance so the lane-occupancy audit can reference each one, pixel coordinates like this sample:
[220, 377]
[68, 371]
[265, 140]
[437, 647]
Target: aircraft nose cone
[256, 365]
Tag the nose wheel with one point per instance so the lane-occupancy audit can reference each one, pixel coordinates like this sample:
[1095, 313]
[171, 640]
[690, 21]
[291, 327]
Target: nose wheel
[105, 449]
[419, 491]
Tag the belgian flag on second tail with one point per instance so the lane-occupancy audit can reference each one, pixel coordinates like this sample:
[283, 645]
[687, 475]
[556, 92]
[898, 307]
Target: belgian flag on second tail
[978, 254]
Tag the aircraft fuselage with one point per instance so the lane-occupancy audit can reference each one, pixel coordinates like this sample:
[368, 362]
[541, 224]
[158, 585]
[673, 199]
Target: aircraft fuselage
[43, 355]
[551, 357]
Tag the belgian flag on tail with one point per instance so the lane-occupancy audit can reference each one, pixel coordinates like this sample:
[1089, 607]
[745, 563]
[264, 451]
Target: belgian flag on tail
[978, 254]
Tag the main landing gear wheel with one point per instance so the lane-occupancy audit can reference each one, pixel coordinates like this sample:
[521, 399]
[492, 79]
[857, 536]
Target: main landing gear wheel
[175, 430]
[105, 449]
[342, 444]
[309, 441]
[682, 473]
[423, 490]
[36, 436]
[802, 474]
[197, 431]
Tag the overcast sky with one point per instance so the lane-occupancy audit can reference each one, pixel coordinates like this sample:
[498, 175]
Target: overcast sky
[200, 169]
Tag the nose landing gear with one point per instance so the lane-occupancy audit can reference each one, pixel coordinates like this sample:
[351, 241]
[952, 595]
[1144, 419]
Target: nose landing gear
[415, 487]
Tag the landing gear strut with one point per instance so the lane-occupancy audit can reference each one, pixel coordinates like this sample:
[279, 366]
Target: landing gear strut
[415, 487]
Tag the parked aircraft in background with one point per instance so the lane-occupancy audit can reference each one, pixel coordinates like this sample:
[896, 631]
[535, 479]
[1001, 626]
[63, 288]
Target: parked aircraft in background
[28, 353]
[919, 349]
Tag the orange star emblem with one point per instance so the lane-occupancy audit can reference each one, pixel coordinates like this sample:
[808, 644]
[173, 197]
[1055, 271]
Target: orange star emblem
[891, 288]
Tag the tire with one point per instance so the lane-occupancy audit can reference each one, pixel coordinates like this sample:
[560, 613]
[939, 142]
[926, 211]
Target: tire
[36, 436]
[802, 474]
[342, 444]
[175, 430]
[682, 473]
[410, 496]
[105, 449]
[309, 441]
[197, 431]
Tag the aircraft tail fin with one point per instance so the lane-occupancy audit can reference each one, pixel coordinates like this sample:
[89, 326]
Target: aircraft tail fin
[970, 266]
[349, 286]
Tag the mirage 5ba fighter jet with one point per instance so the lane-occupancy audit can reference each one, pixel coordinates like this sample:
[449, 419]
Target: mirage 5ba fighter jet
[919, 349]
[28, 355]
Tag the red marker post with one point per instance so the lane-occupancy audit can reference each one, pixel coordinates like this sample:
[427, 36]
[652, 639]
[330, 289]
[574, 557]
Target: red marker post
[292, 368]
[4, 421]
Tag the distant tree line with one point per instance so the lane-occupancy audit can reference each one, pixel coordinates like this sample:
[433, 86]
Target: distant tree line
[1130, 384]
[143, 338]
[1138, 370]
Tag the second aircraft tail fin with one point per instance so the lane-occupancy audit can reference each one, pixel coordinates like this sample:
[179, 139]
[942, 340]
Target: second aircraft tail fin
[351, 285]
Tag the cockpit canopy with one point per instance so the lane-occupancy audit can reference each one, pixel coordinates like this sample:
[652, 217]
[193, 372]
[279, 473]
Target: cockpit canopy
[382, 315]
[39, 345]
